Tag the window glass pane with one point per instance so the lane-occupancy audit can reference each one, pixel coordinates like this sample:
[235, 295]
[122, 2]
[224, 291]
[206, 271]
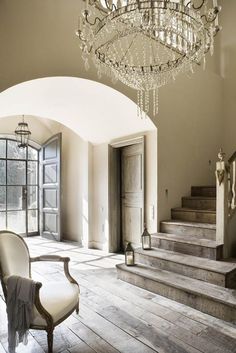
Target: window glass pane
[14, 198]
[16, 221]
[14, 152]
[32, 197]
[16, 174]
[2, 172]
[2, 220]
[32, 221]
[32, 153]
[2, 198]
[2, 148]
[50, 173]
[32, 173]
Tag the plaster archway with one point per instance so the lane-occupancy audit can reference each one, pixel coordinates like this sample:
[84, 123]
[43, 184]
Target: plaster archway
[94, 111]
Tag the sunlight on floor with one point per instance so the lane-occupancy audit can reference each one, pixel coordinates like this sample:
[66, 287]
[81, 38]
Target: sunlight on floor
[81, 258]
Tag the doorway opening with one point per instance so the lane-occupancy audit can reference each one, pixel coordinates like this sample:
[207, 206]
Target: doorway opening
[126, 193]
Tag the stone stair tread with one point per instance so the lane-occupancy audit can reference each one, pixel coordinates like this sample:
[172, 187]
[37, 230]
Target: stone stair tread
[189, 260]
[187, 240]
[194, 286]
[190, 224]
[199, 197]
[204, 186]
[185, 209]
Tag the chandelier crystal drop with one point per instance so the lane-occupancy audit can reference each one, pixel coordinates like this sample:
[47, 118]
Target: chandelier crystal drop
[146, 43]
[22, 134]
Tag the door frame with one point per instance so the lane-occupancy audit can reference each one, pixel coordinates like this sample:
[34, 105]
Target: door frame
[114, 190]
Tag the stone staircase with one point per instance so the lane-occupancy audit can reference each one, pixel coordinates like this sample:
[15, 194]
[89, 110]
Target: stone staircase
[183, 263]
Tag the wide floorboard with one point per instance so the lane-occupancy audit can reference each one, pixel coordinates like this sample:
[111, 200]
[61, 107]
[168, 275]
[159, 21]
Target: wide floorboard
[116, 317]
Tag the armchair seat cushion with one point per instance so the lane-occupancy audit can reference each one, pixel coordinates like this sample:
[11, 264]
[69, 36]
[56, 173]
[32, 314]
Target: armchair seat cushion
[58, 298]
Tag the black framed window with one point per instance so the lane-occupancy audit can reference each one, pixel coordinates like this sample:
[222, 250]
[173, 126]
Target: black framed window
[19, 188]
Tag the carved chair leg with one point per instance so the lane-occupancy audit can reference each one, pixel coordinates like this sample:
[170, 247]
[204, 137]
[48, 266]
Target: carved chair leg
[50, 340]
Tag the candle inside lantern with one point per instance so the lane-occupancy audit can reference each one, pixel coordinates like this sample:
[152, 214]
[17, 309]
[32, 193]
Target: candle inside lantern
[146, 239]
[129, 255]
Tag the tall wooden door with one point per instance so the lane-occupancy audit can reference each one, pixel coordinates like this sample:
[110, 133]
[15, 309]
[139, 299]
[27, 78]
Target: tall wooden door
[132, 193]
[51, 188]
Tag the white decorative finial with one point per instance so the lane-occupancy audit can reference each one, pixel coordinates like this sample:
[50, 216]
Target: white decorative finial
[221, 155]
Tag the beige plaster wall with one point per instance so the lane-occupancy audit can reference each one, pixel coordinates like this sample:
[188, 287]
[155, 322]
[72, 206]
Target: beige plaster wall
[75, 187]
[189, 136]
[100, 225]
[228, 71]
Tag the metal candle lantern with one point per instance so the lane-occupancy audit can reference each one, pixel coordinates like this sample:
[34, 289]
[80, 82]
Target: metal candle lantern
[22, 134]
[146, 239]
[129, 255]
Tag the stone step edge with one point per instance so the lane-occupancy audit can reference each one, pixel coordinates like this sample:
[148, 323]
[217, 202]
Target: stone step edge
[204, 186]
[189, 288]
[200, 261]
[185, 209]
[189, 240]
[208, 198]
[190, 224]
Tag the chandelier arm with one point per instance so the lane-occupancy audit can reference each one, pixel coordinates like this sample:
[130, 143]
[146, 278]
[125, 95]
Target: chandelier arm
[113, 7]
[80, 36]
[196, 7]
[209, 20]
[86, 16]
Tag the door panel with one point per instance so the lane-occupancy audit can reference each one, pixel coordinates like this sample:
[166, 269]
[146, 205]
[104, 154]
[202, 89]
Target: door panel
[132, 193]
[51, 188]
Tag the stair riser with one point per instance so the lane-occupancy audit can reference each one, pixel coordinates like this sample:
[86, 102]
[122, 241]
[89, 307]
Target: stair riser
[182, 269]
[203, 191]
[190, 249]
[188, 230]
[199, 204]
[196, 301]
[189, 216]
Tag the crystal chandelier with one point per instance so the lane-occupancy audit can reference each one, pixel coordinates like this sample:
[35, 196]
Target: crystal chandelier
[22, 134]
[146, 43]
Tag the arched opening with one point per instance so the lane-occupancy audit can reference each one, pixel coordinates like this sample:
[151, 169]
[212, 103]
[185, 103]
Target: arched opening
[90, 117]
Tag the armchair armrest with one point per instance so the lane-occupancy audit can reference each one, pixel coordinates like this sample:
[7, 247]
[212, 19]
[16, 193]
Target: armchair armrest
[51, 258]
[57, 258]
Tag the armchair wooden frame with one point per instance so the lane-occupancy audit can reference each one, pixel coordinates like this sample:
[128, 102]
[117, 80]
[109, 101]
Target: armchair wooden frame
[50, 324]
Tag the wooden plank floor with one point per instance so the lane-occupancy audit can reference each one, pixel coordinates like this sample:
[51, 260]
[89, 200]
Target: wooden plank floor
[118, 317]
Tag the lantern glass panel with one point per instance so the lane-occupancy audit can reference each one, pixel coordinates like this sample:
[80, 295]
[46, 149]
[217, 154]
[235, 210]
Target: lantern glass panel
[129, 258]
[146, 242]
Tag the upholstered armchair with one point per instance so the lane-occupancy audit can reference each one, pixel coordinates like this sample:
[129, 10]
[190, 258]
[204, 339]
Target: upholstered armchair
[54, 300]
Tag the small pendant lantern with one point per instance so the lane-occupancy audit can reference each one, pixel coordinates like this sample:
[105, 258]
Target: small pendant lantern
[129, 255]
[22, 134]
[146, 239]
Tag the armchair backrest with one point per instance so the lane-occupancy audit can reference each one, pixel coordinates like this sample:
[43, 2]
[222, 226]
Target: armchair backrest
[14, 255]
